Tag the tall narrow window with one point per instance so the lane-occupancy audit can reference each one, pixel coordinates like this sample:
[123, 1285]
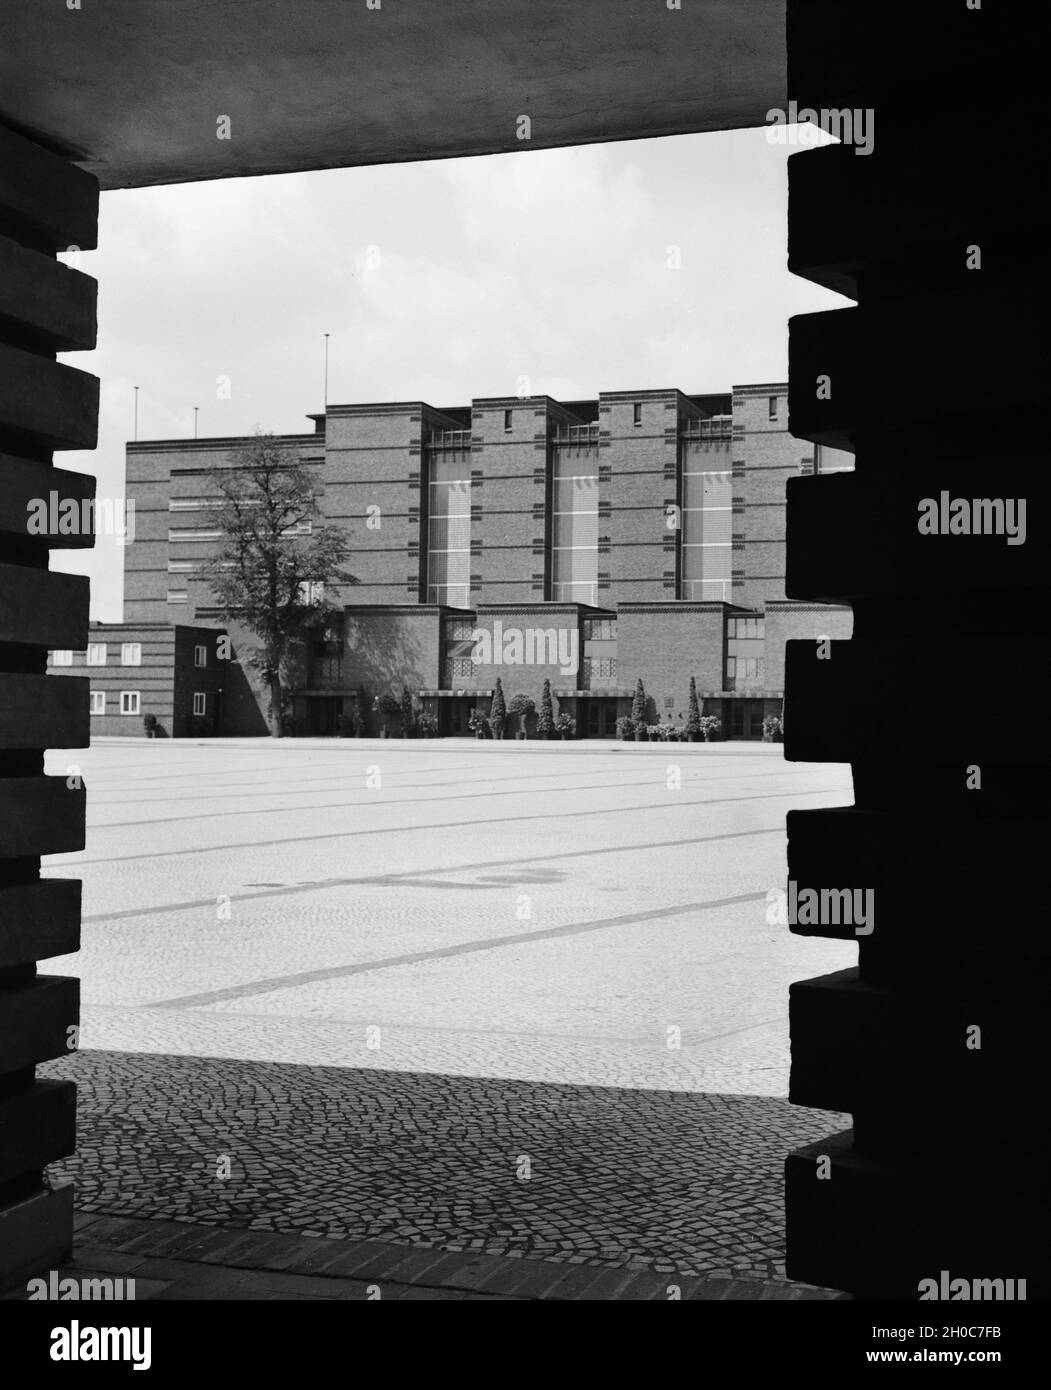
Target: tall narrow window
[507, 420]
[574, 577]
[707, 532]
[449, 530]
[636, 415]
[773, 407]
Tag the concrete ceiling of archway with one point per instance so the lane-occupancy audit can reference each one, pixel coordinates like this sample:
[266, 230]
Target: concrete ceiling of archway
[134, 90]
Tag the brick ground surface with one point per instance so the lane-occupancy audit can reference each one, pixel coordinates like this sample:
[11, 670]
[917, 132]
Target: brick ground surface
[170, 1260]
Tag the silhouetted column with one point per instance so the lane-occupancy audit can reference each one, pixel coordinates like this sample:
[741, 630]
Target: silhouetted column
[937, 380]
[46, 205]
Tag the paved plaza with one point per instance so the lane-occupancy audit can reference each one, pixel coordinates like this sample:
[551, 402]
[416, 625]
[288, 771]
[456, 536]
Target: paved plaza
[520, 1000]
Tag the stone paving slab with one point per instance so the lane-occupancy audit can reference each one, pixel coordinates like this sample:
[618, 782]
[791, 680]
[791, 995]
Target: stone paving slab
[374, 1003]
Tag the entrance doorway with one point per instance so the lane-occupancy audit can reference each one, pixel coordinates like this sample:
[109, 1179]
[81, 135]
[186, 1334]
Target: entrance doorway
[746, 718]
[597, 718]
[453, 715]
[322, 713]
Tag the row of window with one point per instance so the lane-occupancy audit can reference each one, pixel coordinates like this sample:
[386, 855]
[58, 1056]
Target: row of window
[309, 591]
[605, 629]
[131, 702]
[205, 533]
[130, 655]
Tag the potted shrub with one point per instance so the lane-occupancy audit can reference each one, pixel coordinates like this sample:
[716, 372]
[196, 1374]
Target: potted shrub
[408, 714]
[522, 706]
[773, 729]
[638, 712]
[710, 726]
[625, 728]
[387, 707]
[693, 714]
[478, 724]
[149, 724]
[498, 711]
[545, 719]
[361, 712]
[426, 726]
[565, 725]
[345, 725]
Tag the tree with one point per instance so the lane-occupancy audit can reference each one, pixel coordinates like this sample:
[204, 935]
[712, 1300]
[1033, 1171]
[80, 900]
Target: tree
[498, 711]
[545, 720]
[273, 561]
[408, 714]
[638, 705]
[693, 715]
[638, 712]
[523, 706]
[361, 712]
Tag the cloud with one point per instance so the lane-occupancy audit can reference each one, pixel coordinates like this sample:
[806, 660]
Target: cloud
[647, 264]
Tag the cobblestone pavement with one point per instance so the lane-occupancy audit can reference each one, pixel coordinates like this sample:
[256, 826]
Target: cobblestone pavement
[376, 974]
[661, 1180]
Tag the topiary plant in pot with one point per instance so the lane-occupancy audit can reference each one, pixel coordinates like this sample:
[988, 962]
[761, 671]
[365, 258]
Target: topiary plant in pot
[361, 712]
[498, 711]
[408, 714]
[693, 714]
[545, 719]
[638, 712]
[522, 706]
[387, 707]
[478, 724]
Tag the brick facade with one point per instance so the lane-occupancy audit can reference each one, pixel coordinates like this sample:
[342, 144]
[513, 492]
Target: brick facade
[672, 599]
[162, 682]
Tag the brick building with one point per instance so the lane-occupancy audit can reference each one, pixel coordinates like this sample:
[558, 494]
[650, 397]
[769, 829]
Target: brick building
[639, 535]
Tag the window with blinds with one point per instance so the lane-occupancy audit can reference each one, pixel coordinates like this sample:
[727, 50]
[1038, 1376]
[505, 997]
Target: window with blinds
[574, 557]
[449, 530]
[707, 534]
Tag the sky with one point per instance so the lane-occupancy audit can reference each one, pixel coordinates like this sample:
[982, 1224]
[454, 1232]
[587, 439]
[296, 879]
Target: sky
[636, 265]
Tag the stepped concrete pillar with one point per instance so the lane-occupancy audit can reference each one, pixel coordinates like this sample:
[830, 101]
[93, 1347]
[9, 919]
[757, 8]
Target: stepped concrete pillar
[46, 205]
[935, 1045]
